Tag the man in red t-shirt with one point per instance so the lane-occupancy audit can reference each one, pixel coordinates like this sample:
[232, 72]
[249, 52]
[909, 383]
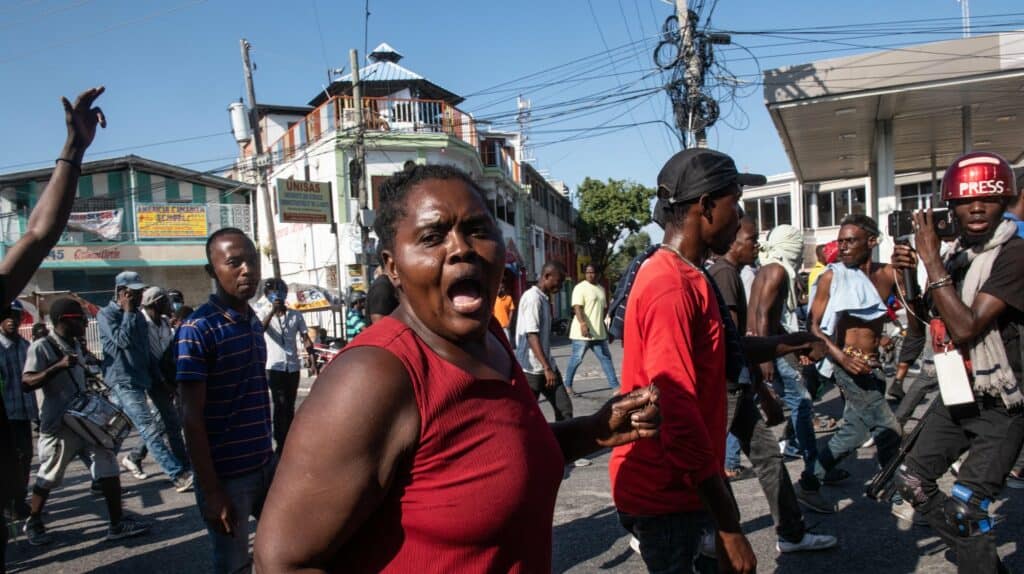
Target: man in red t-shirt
[669, 490]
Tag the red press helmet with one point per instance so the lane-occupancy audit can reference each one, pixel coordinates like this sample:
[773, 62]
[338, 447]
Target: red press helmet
[978, 174]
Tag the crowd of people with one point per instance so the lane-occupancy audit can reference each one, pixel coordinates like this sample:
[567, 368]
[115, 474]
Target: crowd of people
[422, 446]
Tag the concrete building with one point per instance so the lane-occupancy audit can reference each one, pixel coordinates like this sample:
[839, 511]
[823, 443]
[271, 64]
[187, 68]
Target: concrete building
[873, 133]
[407, 118]
[129, 213]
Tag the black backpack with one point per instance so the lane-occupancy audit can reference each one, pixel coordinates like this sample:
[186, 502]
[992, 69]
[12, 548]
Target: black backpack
[617, 309]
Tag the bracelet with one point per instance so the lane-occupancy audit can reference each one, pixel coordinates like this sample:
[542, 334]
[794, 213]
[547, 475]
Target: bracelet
[69, 162]
[941, 282]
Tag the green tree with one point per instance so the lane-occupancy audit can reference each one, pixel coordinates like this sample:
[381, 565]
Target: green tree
[632, 246]
[607, 210]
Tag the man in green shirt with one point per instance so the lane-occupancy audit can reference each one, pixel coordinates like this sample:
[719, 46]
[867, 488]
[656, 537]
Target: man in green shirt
[588, 331]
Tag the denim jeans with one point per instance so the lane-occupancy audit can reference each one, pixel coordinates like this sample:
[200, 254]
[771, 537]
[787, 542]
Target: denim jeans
[797, 399]
[154, 426]
[865, 414]
[925, 382]
[604, 356]
[247, 494]
[669, 543]
[732, 452]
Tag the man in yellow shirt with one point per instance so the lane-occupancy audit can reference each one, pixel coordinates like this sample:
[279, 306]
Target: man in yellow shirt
[588, 331]
[826, 253]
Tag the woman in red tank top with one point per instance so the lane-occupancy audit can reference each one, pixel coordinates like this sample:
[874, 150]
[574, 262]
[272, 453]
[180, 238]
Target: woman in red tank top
[421, 448]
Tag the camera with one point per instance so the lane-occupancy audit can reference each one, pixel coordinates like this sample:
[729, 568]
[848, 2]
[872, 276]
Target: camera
[901, 224]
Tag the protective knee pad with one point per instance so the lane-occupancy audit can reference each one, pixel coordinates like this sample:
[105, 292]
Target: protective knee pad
[967, 513]
[910, 486]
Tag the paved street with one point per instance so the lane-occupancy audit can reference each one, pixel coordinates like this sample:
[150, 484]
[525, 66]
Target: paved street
[587, 537]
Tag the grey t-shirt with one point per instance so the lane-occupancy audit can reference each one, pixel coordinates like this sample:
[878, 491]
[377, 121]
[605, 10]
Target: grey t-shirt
[534, 316]
[63, 386]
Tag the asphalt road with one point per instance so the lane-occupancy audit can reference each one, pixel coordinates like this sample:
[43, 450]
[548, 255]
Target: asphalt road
[587, 536]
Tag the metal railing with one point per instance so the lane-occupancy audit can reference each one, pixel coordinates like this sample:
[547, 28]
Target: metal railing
[395, 115]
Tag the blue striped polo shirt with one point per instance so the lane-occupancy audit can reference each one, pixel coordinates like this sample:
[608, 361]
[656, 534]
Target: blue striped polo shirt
[225, 349]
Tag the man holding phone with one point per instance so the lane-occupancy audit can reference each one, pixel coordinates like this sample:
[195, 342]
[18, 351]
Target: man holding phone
[128, 368]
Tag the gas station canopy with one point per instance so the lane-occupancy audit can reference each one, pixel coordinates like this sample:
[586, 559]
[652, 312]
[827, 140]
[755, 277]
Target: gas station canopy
[906, 109]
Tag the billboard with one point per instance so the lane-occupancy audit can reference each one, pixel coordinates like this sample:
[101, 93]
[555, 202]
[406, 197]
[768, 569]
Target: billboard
[174, 221]
[106, 223]
[300, 201]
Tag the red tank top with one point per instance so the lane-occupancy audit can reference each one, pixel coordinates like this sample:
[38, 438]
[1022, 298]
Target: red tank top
[479, 494]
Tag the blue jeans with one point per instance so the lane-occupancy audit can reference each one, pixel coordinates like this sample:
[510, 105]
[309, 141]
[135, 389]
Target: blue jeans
[153, 427]
[798, 400]
[604, 356]
[865, 413]
[247, 494]
[669, 543]
[732, 452]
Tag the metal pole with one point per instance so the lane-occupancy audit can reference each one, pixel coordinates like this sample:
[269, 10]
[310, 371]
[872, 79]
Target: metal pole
[261, 178]
[360, 153]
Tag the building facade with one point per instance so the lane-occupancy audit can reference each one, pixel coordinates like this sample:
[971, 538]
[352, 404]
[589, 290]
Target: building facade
[130, 213]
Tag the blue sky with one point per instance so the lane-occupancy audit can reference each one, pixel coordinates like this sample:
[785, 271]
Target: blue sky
[172, 67]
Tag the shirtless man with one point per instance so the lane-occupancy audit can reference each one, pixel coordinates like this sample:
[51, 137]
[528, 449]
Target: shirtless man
[849, 315]
[773, 312]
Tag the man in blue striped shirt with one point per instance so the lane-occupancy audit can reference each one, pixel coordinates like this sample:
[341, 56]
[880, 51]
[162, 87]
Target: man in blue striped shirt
[225, 399]
[21, 406]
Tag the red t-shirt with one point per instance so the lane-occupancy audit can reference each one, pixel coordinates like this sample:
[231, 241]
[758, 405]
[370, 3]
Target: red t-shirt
[674, 338]
[479, 493]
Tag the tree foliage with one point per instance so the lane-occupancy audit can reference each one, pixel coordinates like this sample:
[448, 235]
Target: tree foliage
[633, 245]
[607, 210]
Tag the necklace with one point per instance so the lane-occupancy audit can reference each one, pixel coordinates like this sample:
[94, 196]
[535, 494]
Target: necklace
[681, 256]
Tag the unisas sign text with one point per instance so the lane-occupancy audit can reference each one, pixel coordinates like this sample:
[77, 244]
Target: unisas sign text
[300, 201]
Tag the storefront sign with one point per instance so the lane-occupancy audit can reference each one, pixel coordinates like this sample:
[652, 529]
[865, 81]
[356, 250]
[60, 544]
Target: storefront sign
[168, 221]
[100, 255]
[106, 223]
[300, 201]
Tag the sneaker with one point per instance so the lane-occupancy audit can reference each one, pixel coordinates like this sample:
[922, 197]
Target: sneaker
[127, 528]
[868, 443]
[808, 543]
[184, 482]
[814, 500]
[134, 467]
[634, 543]
[906, 513]
[35, 533]
[1015, 481]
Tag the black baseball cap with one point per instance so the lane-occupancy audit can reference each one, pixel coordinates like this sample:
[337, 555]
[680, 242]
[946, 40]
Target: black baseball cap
[694, 172]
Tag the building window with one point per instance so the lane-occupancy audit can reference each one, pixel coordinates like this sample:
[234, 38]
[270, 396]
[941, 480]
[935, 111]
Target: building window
[915, 196]
[833, 206]
[769, 211]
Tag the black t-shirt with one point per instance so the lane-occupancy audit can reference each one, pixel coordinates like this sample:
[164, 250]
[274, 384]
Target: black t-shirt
[1006, 282]
[727, 277]
[382, 298]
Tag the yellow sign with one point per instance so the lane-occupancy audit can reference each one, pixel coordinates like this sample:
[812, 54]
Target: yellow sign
[157, 221]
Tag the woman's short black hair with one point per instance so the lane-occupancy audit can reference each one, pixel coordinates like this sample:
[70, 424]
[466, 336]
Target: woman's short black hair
[392, 196]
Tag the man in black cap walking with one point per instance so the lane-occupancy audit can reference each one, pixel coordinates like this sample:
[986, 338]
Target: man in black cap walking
[669, 491]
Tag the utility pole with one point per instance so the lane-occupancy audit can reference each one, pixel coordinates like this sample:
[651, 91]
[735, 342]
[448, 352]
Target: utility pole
[694, 73]
[359, 166]
[261, 176]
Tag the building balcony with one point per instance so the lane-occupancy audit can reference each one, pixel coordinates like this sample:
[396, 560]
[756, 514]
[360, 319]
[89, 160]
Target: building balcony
[337, 116]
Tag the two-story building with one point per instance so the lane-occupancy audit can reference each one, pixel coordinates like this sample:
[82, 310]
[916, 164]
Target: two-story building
[130, 213]
[406, 118]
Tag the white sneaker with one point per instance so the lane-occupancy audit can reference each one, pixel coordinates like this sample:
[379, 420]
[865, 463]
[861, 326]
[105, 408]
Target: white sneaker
[634, 543]
[868, 443]
[809, 542]
[134, 468]
[581, 462]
